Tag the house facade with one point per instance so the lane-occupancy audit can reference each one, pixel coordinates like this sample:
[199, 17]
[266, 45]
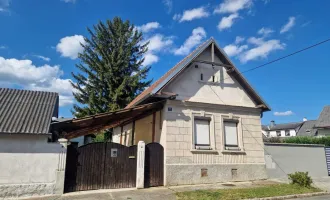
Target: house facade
[323, 122]
[209, 124]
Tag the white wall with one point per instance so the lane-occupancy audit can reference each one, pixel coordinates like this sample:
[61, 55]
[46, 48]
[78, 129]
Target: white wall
[224, 90]
[273, 133]
[27, 160]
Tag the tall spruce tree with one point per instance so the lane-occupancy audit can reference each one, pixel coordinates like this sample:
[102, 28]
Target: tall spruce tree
[111, 72]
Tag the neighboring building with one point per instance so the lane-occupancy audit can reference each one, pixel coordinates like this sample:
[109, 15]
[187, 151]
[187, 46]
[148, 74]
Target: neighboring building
[323, 122]
[281, 130]
[30, 164]
[210, 121]
[304, 128]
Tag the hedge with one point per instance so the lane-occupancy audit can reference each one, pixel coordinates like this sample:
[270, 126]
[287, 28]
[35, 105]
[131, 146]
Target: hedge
[301, 140]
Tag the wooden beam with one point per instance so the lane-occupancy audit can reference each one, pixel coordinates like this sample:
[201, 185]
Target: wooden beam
[121, 134]
[214, 63]
[153, 126]
[133, 132]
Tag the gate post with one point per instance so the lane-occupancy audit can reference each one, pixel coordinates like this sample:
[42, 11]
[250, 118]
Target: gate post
[141, 148]
[60, 173]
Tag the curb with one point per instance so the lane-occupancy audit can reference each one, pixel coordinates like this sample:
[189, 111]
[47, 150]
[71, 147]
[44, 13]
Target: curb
[293, 196]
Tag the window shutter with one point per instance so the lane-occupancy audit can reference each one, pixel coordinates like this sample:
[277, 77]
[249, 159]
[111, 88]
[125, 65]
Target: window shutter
[202, 132]
[231, 133]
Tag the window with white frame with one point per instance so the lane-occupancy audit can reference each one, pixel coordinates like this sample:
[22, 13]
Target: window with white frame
[287, 132]
[231, 135]
[202, 133]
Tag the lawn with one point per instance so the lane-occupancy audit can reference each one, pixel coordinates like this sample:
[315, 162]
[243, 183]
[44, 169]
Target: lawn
[245, 193]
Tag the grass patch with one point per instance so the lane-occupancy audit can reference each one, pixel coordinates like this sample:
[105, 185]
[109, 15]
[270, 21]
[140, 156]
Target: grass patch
[246, 193]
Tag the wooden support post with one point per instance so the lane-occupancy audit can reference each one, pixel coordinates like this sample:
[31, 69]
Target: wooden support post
[133, 132]
[153, 126]
[121, 134]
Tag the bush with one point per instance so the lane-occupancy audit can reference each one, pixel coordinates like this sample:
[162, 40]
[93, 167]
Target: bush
[308, 140]
[301, 178]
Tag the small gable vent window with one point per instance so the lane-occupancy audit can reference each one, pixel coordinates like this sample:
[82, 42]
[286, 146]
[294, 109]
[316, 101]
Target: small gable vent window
[201, 77]
[213, 79]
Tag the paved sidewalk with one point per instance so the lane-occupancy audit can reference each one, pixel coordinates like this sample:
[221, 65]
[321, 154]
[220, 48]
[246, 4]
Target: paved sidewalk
[163, 193]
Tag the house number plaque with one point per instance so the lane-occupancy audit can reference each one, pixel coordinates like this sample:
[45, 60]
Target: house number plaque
[114, 153]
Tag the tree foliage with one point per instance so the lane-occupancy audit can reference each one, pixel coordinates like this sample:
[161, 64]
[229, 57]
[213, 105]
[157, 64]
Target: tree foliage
[110, 70]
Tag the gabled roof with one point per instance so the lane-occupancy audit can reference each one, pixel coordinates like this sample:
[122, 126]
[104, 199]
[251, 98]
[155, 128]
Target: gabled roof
[286, 126]
[307, 129]
[174, 71]
[324, 119]
[24, 111]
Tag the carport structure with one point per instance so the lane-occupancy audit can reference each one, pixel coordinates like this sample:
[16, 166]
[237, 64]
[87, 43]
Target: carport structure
[95, 123]
[111, 165]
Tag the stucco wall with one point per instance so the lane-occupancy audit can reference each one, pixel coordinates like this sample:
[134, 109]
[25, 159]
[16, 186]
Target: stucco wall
[291, 158]
[224, 90]
[179, 144]
[29, 165]
[323, 132]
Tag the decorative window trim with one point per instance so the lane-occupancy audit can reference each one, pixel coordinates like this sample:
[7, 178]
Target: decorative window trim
[206, 116]
[237, 119]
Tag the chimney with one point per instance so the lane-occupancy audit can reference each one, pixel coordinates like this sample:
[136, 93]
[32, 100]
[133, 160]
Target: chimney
[304, 119]
[272, 124]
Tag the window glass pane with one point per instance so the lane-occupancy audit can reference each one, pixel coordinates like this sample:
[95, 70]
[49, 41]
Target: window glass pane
[202, 132]
[231, 133]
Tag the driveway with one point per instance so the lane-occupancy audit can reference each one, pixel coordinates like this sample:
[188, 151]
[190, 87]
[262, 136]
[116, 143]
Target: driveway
[316, 198]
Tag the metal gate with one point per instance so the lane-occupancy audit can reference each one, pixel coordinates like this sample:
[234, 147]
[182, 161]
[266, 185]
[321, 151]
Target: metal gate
[327, 157]
[100, 166]
[154, 165]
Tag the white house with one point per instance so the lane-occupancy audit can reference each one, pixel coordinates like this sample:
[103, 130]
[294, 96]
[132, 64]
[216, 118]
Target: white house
[204, 114]
[30, 163]
[281, 130]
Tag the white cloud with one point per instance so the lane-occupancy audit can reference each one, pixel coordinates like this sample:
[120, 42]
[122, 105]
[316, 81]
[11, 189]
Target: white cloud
[234, 50]
[261, 50]
[232, 6]
[149, 59]
[157, 43]
[227, 22]
[286, 113]
[70, 46]
[169, 5]
[148, 27]
[69, 1]
[289, 25]
[42, 57]
[265, 31]
[198, 34]
[306, 23]
[4, 5]
[239, 39]
[189, 15]
[23, 73]
[3, 47]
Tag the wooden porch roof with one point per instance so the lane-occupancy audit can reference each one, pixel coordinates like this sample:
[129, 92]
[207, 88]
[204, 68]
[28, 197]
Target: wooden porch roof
[92, 124]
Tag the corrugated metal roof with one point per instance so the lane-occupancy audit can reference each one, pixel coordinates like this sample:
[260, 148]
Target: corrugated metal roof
[24, 111]
[324, 119]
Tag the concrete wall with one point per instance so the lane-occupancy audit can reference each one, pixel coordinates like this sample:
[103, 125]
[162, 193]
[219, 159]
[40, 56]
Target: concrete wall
[29, 165]
[189, 86]
[183, 162]
[291, 158]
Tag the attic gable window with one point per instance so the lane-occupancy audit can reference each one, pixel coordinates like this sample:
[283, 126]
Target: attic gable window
[201, 77]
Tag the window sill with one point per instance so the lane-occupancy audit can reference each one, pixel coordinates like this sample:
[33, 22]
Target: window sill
[204, 151]
[233, 152]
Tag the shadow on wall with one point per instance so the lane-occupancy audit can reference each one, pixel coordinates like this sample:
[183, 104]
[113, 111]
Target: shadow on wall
[27, 143]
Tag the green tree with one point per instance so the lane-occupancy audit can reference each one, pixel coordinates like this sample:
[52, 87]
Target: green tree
[110, 70]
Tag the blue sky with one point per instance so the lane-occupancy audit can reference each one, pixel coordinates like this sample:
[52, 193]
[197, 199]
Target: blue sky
[39, 42]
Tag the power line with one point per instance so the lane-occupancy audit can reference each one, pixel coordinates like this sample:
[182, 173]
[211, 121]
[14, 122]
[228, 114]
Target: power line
[281, 58]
